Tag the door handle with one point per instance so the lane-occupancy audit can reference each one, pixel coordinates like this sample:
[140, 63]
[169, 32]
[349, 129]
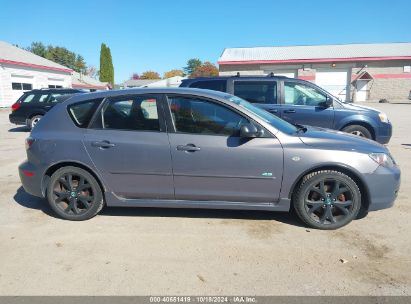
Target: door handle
[272, 110]
[188, 148]
[104, 144]
[289, 111]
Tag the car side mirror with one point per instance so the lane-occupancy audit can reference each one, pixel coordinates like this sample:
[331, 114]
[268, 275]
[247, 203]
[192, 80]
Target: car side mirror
[329, 102]
[250, 131]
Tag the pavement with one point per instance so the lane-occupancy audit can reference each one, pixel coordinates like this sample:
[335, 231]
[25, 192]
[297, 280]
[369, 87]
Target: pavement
[144, 251]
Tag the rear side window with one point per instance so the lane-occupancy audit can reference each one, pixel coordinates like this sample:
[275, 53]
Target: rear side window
[264, 92]
[33, 97]
[138, 113]
[216, 85]
[81, 113]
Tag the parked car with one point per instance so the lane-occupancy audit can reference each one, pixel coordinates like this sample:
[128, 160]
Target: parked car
[32, 105]
[301, 102]
[194, 148]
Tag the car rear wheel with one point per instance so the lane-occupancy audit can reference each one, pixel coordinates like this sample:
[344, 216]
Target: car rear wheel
[358, 130]
[74, 194]
[34, 120]
[327, 200]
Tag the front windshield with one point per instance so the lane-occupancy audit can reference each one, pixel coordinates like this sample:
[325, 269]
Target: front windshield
[273, 120]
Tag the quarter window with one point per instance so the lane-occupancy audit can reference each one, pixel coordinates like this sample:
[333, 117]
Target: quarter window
[81, 113]
[264, 92]
[302, 95]
[131, 113]
[198, 116]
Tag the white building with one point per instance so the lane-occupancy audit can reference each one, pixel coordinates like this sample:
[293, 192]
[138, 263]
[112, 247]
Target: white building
[153, 83]
[22, 71]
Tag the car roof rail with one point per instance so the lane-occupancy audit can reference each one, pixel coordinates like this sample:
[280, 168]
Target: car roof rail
[238, 74]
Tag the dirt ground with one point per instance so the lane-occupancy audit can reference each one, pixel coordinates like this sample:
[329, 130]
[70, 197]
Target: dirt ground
[199, 252]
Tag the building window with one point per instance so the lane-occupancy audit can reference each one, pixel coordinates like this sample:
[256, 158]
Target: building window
[21, 86]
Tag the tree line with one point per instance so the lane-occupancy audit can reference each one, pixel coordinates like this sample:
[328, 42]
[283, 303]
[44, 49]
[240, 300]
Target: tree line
[61, 55]
[194, 68]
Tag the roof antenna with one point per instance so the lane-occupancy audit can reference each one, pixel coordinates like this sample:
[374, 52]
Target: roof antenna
[238, 74]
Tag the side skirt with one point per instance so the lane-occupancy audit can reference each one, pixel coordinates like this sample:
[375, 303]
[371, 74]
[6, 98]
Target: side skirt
[113, 201]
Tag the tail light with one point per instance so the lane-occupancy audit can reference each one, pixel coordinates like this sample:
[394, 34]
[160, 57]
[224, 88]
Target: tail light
[15, 106]
[29, 142]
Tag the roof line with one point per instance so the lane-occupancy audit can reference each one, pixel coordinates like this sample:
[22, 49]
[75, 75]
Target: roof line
[74, 85]
[303, 45]
[223, 62]
[35, 66]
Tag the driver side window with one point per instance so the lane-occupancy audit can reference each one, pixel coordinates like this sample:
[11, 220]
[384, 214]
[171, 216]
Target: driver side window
[302, 95]
[197, 116]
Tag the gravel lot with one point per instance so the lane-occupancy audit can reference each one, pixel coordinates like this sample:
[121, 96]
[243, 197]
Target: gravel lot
[199, 252]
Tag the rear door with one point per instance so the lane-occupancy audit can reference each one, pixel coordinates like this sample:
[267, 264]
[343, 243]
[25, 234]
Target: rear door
[305, 104]
[129, 146]
[263, 93]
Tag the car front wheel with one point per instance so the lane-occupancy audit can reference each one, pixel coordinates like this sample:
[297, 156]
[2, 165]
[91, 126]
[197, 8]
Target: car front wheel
[358, 130]
[327, 200]
[74, 194]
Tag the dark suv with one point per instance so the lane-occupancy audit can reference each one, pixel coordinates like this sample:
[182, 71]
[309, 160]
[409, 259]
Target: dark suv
[32, 105]
[301, 102]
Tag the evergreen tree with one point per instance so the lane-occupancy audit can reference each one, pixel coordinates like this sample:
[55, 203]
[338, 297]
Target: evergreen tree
[106, 65]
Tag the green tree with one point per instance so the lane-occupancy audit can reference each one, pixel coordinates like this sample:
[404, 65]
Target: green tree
[106, 65]
[150, 75]
[37, 48]
[60, 55]
[192, 64]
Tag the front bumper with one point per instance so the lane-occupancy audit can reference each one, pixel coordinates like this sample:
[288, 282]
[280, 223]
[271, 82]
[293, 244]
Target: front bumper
[383, 186]
[384, 133]
[31, 179]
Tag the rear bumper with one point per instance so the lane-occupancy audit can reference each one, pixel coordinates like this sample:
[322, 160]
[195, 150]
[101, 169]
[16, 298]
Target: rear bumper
[31, 179]
[383, 186]
[384, 133]
[17, 120]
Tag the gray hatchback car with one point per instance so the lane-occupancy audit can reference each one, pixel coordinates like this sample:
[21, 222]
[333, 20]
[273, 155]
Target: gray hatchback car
[191, 148]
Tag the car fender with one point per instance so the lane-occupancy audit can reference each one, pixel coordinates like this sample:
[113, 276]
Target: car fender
[356, 119]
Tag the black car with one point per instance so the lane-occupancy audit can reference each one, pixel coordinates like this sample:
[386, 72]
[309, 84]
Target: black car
[301, 102]
[32, 105]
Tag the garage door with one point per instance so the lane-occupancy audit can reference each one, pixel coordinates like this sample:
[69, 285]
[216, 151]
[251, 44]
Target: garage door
[333, 81]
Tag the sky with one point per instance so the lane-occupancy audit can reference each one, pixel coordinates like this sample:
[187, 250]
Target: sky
[163, 35]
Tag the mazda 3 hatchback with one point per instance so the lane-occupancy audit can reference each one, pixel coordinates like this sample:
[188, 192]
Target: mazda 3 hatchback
[193, 148]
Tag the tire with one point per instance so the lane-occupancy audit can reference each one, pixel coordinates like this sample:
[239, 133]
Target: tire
[75, 198]
[358, 130]
[327, 200]
[33, 121]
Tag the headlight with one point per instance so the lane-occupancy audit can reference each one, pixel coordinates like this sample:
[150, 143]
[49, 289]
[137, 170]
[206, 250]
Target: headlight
[383, 117]
[383, 159]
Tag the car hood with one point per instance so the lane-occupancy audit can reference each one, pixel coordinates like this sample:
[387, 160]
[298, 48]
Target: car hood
[337, 140]
[356, 107]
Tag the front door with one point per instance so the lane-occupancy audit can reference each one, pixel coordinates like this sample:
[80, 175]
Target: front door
[130, 147]
[361, 94]
[304, 104]
[212, 163]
